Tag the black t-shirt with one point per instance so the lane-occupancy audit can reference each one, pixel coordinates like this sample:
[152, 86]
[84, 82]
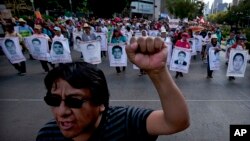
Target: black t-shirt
[117, 124]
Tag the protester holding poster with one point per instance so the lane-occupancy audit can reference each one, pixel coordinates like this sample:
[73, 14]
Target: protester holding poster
[116, 39]
[45, 61]
[183, 43]
[198, 42]
[102, 37]
[77, 37]
[240, 46]
[214, 45]
[11, 44]
[167, 39]
[117, 55]
[60, 52]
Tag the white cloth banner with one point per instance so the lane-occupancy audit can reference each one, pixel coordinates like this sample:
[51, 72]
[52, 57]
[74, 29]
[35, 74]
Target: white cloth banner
[117, 55]
[102, 37]
[38, 47]
[91, 51]
[193, 46]
[77, 40]
[60, 52]
[153, 33]
[174, 23]
[180, 60]
[214, 59]
[237, 63]
[12, 49]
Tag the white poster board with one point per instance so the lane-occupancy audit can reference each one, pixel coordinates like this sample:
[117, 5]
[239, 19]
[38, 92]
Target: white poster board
[91, 51]
[153, 33]
[12, 49]
[180, 60]
[198, 42]
[214, 59]
[174, 23]
[169, 45]
[77, 38]
[60, 52]
[117, 55]
[237, 63]
[193, 46]
[38, 47]
[102, 37]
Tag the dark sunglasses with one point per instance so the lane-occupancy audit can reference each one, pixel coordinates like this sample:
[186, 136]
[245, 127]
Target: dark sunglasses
[55, 101]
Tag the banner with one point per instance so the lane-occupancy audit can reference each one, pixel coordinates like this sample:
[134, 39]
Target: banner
[60, 52]
[214, 59]
[237, 63]
[153, 33]
[180, 60]
[91, 51]
[193, 46]
[117, 55]
[102, 37]
[38, 47]
[12, 49]
[77, 38]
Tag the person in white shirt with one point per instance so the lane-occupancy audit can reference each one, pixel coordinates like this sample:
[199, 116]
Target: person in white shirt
[58, 33]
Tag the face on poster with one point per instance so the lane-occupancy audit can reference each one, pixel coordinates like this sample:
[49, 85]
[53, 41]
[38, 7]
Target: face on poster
[12, 49]
[214, 59]
[103, 40]
[237, 63]
[117, 55]
[192, 43]
[91, 51]
[180, 60]
[60, 52]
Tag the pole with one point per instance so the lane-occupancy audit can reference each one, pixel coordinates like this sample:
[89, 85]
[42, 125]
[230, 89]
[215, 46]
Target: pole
[33, 6]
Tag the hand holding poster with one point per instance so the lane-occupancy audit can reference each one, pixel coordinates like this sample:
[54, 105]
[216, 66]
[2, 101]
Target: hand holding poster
[117, 55]
[12, 49]
[77, 41]
[214, 59]
[103, 39]
[91, 51]
[38, 47]
[180, 60]
[237, 63]
[60, 52]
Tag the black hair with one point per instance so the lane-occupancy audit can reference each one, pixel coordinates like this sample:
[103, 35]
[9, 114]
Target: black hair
[57, 42]
[35, 39]
[90, 45]
[79, 38]
[238, 54]
[81, 75]
[116, 47]
[8, 40]
[182, 52]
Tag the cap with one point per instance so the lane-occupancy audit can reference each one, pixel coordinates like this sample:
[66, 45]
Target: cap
[21, 20]
[56, 28]
[37, 26]
[86, 25]
[214, 36]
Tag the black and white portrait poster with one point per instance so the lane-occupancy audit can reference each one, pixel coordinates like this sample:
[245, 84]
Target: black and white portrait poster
[169, 45]
[102, 37]
[198, 42]
[214, 59]
[117, 55]
[60, 52]
[77, 40]
[180, 60]
[193, 46]
[237, 63]
[12, 49]
[153, 33]
[91, 51]
[38, 47]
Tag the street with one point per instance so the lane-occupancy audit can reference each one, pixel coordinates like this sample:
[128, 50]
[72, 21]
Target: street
[213, 104]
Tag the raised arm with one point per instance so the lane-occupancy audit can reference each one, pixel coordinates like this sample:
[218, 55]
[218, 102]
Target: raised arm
[150, 55]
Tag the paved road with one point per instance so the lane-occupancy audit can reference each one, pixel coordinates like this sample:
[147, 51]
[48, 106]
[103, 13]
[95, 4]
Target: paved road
[214, 104]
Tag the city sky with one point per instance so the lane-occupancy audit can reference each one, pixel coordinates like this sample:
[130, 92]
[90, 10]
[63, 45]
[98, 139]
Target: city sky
[211, 1]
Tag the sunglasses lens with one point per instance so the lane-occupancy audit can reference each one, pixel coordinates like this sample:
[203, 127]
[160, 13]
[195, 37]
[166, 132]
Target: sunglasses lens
[74, 102]
[52, 100]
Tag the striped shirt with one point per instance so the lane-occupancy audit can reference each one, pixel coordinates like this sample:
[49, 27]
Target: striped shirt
[117, 124]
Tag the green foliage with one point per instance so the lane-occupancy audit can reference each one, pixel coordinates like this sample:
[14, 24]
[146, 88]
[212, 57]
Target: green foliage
[225, 30]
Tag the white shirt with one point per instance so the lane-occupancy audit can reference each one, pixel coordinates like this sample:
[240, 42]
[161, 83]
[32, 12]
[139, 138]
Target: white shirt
[58, 37]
